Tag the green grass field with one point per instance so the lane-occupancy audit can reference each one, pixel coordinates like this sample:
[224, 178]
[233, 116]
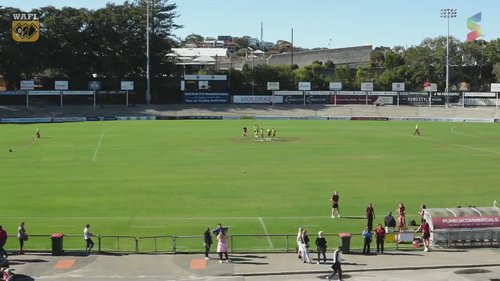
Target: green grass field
[148, 178]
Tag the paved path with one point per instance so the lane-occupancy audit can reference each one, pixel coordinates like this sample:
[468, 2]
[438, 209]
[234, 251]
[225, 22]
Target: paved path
[445, 264]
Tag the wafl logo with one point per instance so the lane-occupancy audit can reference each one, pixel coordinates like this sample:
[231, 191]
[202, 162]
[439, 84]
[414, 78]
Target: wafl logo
[25, 27]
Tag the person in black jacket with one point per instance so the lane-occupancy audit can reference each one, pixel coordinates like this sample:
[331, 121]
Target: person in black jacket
[207, 242]
[321, 246]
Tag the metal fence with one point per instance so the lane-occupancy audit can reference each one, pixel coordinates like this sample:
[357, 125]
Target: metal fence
[174, 244]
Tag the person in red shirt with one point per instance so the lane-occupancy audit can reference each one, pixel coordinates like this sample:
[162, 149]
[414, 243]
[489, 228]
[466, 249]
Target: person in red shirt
[335, 204]
[380, 236]
[3, 239]
[426, 234]
[370, 216]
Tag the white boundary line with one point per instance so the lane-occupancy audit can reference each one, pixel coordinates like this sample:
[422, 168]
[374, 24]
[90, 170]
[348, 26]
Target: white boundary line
[266, 233]
[165, 218]
[98, 145]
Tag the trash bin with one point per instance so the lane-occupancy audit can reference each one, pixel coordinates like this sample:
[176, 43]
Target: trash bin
[346, 242]
[57, 244]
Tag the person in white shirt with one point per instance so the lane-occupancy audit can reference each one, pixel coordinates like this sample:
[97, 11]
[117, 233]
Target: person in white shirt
[337, 268]
[87, 236]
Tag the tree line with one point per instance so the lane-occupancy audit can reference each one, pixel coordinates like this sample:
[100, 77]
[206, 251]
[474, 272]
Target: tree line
[109, 44]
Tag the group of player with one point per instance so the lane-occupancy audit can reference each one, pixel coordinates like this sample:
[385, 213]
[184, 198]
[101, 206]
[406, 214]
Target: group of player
[258, 133]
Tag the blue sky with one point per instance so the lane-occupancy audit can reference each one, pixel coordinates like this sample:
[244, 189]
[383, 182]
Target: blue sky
[318, 23]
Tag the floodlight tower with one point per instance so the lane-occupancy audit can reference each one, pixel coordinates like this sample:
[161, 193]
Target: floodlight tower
[447, 14]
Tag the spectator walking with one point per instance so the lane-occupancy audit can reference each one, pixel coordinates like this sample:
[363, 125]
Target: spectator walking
[207, 242]
[370, 216]
[367, 240]
[305, 247]
[337, 267]
[380, 238]
[22, 236]
[321, 247]
[335, 204]
[222, 245]
[426, 234]
[3, 240]
[299, 242]
[87, 234]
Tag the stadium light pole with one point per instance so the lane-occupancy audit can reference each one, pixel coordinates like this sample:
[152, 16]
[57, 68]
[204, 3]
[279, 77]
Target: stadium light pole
[447, 14]
[253, 74]
[148, 78]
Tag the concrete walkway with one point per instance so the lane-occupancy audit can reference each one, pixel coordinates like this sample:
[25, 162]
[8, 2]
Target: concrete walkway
[43, 266]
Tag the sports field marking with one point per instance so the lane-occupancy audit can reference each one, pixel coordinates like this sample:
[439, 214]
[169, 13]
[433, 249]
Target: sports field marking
[33, 140]
[462, 145]
[454, 130]
[148, 226]
[266, 233]
[98, 145]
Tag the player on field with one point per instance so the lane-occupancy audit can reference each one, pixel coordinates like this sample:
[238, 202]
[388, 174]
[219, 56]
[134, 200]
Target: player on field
[417, 130]
[335, 204]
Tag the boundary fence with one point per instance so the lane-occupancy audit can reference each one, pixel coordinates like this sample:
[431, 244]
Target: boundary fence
[179, 244]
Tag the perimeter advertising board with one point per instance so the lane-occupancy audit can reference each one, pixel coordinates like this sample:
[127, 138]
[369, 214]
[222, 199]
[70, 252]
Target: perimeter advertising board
[258, 99]
[466, 222]
[206, 97]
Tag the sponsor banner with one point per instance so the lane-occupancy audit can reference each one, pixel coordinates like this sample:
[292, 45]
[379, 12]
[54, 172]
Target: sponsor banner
[257, 99]
[480, 101]
[136, 117]
[101, 118]
[26, 120]
[206, 97]
[351, 93]
[466, 222]
[421, 99]
[335, 86]
[78, 93]
[111, 92]
[385, 100]
[127, 85]
[495, 87]
[13, 93]
[343, 118]
[271, 118]
[205, 77]
[367, 87]
[370, 118]
[319, 93]
[308, 118]
[273, 86]
[317, 99]
[68, 119]
[61, 85]
[27, 85]
[304, 86]
[288, 93]
[44, 93]
[293, 99]
[480, 95]
[352, 99]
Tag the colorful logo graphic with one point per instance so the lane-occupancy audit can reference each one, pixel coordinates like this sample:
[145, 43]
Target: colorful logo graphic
[475, 28]
[25, 27]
